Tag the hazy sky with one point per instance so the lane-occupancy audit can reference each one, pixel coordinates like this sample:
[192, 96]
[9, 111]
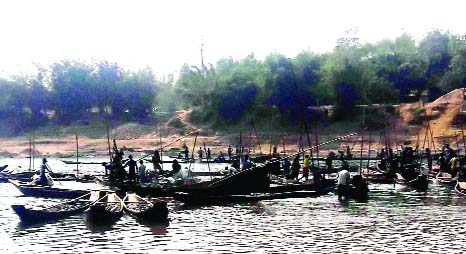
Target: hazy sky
[166, 34]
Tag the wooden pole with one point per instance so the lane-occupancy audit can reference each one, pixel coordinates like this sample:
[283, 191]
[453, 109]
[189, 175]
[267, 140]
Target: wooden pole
[77, 154]
[192, 153]
[369, 149]
[161, 147]
[317, 142]
[257, 138]
[30, 154]
[284, 148]
[362, 137]
[33, 149]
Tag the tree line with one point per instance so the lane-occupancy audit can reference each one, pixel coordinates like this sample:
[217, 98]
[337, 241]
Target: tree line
[71, 90]
[246, 90]
[388, 71]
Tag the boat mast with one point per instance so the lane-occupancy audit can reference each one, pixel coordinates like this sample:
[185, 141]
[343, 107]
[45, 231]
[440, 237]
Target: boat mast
[257, 138]
[77, 154]
[106, 121]
[30, 154]
[33, 148]
[192, 155]
[462, 122]
[362, 137]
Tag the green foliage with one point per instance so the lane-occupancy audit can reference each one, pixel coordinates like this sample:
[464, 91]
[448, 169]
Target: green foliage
[244, 91]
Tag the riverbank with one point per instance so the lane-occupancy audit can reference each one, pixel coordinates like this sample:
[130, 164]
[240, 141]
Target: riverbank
[407, 125]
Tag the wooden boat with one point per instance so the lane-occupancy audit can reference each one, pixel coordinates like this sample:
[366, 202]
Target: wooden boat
[154, 191]
[376, 175]
[445, 178]
[37, 214]
[460, 187]
[46, 191]
[107, 208]
[142, 208]
[420, 183]
[200, 199]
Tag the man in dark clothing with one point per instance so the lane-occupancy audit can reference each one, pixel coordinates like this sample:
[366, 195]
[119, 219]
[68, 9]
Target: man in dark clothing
[132, 168]
[230, 151]
[176, 167]
[186, 153]
[442, 162]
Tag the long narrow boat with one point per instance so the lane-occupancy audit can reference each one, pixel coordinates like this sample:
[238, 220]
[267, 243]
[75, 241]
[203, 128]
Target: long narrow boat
[26, 177]
[200, 199]
[37, 214]
[445, 178]
[154, 210]
[46, 191]
[108, 208]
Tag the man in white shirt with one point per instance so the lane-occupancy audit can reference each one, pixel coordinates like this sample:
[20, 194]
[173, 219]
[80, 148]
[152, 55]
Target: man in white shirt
[343, 183]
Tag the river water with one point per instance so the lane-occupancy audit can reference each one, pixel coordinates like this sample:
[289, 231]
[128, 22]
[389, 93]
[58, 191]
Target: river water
[394, 220]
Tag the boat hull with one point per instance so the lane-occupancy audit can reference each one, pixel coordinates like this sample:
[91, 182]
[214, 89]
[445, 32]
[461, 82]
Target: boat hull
[200, 199]
[46, 191]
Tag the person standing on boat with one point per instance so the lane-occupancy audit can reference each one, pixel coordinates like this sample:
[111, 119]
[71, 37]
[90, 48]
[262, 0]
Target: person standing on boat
[275, 153]
[453, 166]
[306, 163]
[348, 152]
[43, 176]
[107, 166]
[229, 151]
[142, 172]
[200, 154]
[176, 168]
[132, 168]
[343, 183]
[295, 166]
[186, 153]
[246, 163]
[208, 154]
[286, 167]
[429, 159]
[442, 162]
[156, 161]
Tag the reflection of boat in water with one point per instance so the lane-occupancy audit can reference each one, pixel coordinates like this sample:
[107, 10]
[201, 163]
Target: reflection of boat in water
[46, 191]
[37, 214]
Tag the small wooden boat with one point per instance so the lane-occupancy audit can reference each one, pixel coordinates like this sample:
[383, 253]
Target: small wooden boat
[445, 178]
[144, 209]
[376, 175]
[107, 208]
[37, 214]
[46, 191]
[420, 183]
[460, 187]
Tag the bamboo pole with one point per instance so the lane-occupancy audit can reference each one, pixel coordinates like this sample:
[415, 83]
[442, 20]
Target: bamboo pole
[77, 154]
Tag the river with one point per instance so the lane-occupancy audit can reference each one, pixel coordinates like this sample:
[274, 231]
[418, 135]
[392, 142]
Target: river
[394, 220]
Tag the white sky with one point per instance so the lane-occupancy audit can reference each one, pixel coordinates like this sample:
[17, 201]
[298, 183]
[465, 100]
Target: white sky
[166, 34]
